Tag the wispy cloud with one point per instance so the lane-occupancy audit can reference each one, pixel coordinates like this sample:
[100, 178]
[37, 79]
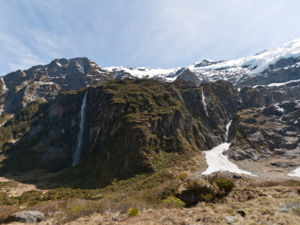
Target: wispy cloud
[157, 33]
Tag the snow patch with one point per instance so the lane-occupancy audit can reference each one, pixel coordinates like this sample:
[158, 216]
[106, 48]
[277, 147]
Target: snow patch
[43, 83]
[217, 161]
[80, 68]
[295, 173]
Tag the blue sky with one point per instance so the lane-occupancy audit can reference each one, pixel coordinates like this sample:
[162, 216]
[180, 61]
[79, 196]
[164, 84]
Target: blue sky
[154, 33]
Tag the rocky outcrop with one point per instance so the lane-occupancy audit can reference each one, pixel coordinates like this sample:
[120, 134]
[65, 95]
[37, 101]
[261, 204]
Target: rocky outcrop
[266, 133]
[132, 126]
[188, 76]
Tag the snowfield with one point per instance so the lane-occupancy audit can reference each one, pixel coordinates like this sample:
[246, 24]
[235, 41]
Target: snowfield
[217, 161]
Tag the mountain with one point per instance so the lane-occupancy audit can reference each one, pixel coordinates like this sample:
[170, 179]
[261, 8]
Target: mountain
[277, 65]
[149, 112]
[77, 138]
[131, 126]
[18, 89]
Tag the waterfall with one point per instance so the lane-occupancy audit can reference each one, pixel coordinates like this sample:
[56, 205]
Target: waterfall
[227, 130]
[77, 152]
[204, 103]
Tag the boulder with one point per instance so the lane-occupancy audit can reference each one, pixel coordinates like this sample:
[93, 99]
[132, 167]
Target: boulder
[26, 217]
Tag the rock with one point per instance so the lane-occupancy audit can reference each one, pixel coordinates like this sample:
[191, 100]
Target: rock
[230, 219]
[188, 76]
[46, 81]
[284, 210]
[115, 216]
[258, 134]
[242, 213]
[26, 217]
[284, 164]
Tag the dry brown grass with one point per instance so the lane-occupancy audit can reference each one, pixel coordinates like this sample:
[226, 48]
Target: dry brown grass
[258, 199]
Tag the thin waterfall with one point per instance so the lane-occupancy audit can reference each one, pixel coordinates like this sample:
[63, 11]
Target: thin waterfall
[204, 103]
[77, 152]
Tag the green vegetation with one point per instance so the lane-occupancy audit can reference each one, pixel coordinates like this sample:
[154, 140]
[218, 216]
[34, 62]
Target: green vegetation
[17, 126]
[173, 202]
[223, 183]
[133, 211]
[210, 190]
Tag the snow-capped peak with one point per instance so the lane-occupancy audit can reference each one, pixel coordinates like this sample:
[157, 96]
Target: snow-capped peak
[234, 71]
[261, 61]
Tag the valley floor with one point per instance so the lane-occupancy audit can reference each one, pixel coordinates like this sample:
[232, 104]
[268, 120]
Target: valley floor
[261, 200]
[253, 201]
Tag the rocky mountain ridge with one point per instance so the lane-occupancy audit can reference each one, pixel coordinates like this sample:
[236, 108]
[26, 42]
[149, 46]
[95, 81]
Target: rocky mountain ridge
[19, 88]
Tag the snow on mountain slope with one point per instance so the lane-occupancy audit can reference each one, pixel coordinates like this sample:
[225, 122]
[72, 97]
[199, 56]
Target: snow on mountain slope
[277, 84]
[145, 72]
[231, 70]
[259, 62]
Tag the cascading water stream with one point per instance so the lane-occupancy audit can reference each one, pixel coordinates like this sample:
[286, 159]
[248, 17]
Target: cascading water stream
[204, 103]
[77, 152]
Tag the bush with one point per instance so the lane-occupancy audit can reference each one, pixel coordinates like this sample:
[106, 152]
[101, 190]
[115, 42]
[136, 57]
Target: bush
[133, 211]
[195, 191]
[173, 202]
[224, 184]
[210, 190]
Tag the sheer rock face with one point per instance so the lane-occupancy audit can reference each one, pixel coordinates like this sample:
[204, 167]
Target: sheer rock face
[45, 82]
[131, 125]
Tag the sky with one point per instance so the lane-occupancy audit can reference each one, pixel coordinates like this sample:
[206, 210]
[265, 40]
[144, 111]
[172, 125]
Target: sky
[153, 33]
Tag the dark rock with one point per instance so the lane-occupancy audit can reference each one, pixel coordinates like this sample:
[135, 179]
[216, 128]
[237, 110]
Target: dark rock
[242, 213]
[188, 76]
